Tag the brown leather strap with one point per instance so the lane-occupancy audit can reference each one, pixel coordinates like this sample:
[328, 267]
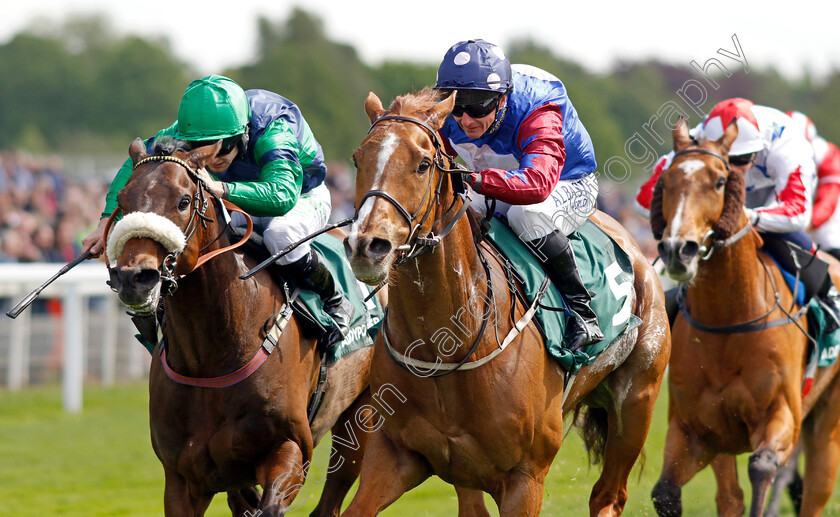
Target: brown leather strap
[105, 233]
[249, 229]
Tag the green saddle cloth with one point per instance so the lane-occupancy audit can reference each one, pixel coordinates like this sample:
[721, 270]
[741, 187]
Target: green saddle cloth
[367, 316]
[828, 345]
[605, 269]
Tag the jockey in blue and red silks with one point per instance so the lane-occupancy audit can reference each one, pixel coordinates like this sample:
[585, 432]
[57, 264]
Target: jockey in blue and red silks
[781, 177]
[516, 127]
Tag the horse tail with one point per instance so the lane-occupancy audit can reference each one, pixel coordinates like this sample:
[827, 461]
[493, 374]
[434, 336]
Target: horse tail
[592, 422]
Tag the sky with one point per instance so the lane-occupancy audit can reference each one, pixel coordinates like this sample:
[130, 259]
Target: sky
[214, 35]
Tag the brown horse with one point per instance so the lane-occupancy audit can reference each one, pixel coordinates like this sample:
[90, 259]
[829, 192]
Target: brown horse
[492, 425]
[737, 367]
[224, 435]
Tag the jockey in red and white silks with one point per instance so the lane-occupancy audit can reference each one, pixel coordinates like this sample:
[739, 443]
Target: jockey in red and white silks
[781, 176]
[825, 217]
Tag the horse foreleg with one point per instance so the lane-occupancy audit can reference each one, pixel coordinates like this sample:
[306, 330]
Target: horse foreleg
[243, 500]
[388, 471]
[521, 493]
[179, 500]
[471, 503]
[775, 448]
[788, 478]
[730, 497]
[679, 466]
[282, 476]
[821, 439]
[346, 452]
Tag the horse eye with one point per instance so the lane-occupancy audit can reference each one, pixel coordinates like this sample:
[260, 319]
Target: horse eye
[184, 203]
[423, 167]
[721, 182]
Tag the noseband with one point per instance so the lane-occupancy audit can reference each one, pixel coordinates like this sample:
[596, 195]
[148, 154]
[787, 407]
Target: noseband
[200, 204]
[416, 245]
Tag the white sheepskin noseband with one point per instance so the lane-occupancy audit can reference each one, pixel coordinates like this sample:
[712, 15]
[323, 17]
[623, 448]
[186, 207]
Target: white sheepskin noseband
[144, 224]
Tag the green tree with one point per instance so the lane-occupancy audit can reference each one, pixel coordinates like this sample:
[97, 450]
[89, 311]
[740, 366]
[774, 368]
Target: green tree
[327, 80]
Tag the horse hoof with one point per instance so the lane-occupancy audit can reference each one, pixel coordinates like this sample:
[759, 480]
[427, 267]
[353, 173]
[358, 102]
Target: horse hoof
[666, 500]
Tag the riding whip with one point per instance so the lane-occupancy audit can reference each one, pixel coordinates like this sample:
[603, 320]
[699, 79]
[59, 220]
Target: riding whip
[267, 262]
[26, 302]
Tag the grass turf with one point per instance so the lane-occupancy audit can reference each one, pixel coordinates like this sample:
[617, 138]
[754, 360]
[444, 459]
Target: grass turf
[100, 463]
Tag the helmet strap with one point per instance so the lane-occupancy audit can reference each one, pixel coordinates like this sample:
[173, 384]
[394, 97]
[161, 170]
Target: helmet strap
[500, 117]
[243, 140]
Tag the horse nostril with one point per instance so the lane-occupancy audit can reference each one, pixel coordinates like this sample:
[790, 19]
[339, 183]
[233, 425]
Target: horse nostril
[145, 279]
[348, 250]
[378, 248]
[664, 250]
[689, 250]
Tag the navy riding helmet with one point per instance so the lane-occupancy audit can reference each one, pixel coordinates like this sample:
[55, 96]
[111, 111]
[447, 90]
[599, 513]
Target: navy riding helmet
[474, 65]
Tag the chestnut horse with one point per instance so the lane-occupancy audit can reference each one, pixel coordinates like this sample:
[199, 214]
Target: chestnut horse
[737, 367]
[226, 435]
[492, 424]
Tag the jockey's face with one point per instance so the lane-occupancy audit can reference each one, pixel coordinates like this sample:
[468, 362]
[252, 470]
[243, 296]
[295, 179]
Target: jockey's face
[742, 163]
[221, 162]
[475, 127]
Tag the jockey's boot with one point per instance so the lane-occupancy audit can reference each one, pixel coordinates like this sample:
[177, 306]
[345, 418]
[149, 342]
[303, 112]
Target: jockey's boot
[312, 273]
[555, 251]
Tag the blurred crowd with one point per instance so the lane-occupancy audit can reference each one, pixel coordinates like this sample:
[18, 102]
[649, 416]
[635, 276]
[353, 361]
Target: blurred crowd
[43, 214]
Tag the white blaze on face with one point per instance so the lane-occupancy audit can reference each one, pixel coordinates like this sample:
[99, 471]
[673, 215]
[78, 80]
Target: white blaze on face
[689, 167]
[389, 145]
[676, 222]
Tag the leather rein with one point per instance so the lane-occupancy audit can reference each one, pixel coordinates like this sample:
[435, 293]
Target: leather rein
[419, 245]
[197, 216]
[707, 248]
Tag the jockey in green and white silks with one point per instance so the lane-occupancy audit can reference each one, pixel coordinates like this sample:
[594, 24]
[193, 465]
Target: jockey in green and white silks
[269, 164]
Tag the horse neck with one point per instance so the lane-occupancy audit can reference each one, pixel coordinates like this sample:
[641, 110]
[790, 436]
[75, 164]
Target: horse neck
[732, 277]
[428, 291]
[209, 313]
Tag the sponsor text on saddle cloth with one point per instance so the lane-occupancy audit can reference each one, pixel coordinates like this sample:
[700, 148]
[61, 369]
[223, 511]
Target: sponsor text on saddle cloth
[367, 315]
[605, 269]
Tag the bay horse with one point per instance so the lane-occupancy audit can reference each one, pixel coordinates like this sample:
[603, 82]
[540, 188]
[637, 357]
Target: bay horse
[227, 407]
[739, 353]
[489, 425]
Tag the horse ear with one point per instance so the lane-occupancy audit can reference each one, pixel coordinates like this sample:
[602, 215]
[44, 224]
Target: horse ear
[441, 110]
[725, 142]
[373, 107]
[680, 135]
[137, 150]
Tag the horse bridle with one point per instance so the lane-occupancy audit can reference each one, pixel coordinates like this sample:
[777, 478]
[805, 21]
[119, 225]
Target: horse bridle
[200, 204]
[416, 245]
[709, 244]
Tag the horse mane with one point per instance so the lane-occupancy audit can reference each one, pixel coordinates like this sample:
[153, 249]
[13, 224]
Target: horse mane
[168, 145]
[726, 225]
[657, 220]
[419, 102]
[733, 204]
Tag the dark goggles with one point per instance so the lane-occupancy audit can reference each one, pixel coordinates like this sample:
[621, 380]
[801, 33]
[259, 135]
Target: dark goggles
[741, 159]
[227, 144]
[478, 109]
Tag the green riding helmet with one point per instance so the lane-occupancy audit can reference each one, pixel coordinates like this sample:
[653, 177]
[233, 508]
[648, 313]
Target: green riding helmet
[213, 108]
